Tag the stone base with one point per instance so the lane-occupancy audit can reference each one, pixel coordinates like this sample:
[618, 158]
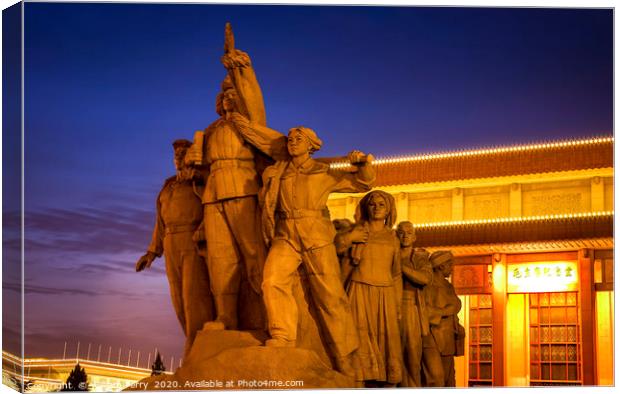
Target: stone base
[236, 360]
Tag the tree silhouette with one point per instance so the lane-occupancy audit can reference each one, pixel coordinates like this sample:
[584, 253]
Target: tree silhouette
[158, 366]
[77, 380]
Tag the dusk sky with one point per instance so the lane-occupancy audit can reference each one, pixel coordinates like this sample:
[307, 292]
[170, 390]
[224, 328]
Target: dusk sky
[108, 87]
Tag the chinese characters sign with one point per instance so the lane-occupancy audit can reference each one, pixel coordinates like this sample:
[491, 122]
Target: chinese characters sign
[542, 277]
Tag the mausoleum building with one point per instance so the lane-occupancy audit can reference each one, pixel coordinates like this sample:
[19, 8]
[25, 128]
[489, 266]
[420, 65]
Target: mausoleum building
[532, 229]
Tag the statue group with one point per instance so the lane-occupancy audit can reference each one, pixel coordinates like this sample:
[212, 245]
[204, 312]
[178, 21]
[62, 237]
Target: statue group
[244, 223]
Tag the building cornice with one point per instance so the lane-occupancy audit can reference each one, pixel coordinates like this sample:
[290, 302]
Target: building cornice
[504, 161]
[521, 230]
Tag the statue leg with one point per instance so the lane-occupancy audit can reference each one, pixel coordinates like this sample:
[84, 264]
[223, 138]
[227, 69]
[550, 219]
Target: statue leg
[197, 297]
[279, 275]
[434, 366]
[448, 371]
[331, 300]
[412, 343]
[223, 265]
[173, 272]
[242, 216]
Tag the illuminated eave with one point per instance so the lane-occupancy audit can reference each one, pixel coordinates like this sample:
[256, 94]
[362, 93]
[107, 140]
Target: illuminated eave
[485, 151]
[524, 230]
[524, 219]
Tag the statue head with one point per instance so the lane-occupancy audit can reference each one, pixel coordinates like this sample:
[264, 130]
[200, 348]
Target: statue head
[180, 149]
[227, 98]
[342, 225]
[442, 261]
[406, 234]
[302, 140]
[376, 205]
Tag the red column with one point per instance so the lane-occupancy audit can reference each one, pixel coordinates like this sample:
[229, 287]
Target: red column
[587, 301]
[499, 318]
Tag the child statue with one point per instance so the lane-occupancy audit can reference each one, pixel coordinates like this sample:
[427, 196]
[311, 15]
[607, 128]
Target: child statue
[443, 305]
[417, 273]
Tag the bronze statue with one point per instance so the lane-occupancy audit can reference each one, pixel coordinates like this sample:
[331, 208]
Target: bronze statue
[417, 273]
[179, 214]
[342, 225]
[443, 305]
[374, 288]
[233, 158]
[295, 221]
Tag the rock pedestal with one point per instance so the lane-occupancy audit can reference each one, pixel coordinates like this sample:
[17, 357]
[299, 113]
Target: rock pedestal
[237, 360]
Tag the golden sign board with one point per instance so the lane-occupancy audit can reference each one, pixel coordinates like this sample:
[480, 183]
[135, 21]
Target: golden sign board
[542, 277]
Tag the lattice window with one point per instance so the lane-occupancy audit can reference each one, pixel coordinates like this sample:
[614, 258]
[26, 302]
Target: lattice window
[555, 340]
[480, 340]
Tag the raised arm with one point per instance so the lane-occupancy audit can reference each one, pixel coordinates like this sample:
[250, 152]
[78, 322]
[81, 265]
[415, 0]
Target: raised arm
[365, 170]
[355, 182]
[269, 141]
[244, 79]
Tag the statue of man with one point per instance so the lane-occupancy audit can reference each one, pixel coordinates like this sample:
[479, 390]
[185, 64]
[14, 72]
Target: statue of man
[231, 158]
[443, 305]
[179, 214]
[295, 221]
[417, 273]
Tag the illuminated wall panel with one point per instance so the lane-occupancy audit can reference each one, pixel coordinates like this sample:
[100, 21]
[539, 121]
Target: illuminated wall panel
[554, 198]
[430, 207]
[609, 193]
[487, 203]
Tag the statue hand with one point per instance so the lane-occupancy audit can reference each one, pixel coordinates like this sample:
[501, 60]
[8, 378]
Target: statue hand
[236, 58]
[359, 234]
[421, 254]
[195, 174]
[357, 157]
[193, 155]
[145, 261]
[199, 235]
[434, 316]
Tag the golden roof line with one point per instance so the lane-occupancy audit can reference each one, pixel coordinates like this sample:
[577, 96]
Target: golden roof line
[487, 151]
[521, 219]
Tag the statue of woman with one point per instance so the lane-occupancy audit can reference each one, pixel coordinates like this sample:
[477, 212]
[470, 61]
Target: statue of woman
[374, 288]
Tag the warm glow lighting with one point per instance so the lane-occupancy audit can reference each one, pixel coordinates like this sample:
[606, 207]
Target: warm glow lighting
[498, 277]
[542, 277]
[484, 151]
[516, 219]
[605, 337]
[94, 364]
